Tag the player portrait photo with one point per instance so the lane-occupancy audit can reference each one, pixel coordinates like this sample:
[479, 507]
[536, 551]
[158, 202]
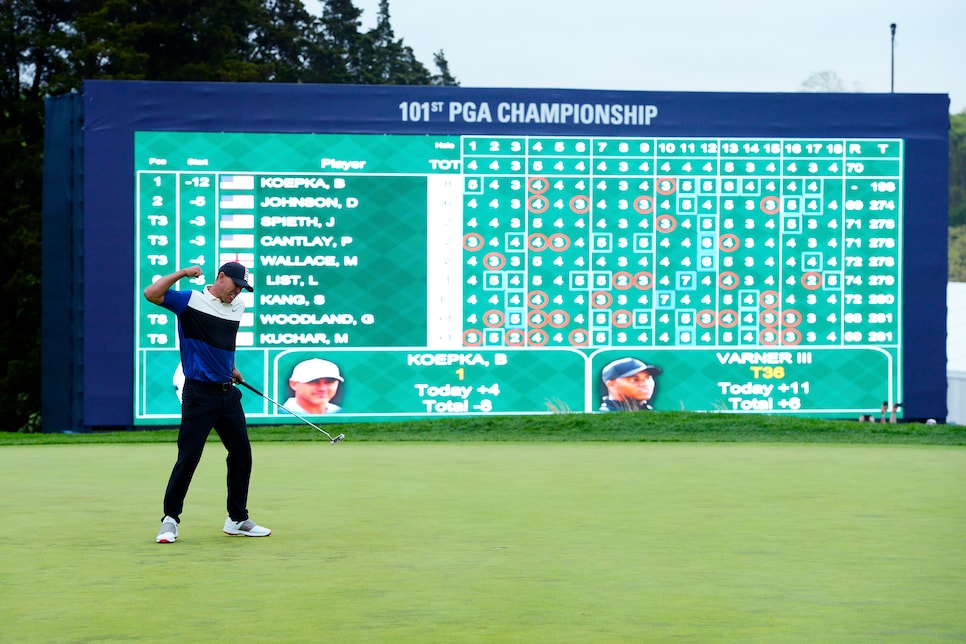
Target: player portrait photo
[315, 384]
[629, 385]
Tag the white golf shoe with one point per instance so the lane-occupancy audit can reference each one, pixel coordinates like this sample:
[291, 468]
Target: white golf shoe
[246, 528]
[168, 532]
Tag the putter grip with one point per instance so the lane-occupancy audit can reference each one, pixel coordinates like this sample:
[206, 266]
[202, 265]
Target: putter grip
[248, 386]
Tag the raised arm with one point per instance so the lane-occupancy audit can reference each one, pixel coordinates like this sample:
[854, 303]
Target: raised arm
[155, 292]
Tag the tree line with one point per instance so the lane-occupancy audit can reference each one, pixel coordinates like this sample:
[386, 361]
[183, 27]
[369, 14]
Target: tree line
[957, 197]
[49, 47]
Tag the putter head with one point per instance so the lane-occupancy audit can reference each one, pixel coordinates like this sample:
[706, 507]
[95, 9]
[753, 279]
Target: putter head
[337, 439]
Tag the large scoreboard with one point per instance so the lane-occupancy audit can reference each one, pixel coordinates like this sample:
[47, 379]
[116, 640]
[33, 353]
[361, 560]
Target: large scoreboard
[473, 252]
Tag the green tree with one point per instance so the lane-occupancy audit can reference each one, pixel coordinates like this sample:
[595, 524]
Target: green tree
[48, 47]
[957, 169]
[284, 45]
[391, 62]
[443, 77]
[957, 254]
[339, 39]
[957, 197]
[381, 51]
[33, 36]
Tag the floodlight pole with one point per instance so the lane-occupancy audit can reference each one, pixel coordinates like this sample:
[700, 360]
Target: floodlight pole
[892, 81]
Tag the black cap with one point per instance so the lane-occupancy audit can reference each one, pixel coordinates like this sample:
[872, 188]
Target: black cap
[626, 367]
[237, 273]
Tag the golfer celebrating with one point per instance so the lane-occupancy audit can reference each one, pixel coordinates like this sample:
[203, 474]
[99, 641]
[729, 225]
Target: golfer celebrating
[207, 325]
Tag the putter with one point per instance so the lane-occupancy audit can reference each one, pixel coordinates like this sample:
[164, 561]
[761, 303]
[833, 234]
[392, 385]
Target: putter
[332, 441]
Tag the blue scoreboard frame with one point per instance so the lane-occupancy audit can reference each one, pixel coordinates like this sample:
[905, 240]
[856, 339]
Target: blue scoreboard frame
[91, 233]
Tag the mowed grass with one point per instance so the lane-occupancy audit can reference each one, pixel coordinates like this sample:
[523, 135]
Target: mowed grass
[491, 542]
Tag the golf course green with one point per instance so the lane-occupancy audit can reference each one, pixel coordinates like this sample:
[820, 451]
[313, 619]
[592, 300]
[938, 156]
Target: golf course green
[491, 542]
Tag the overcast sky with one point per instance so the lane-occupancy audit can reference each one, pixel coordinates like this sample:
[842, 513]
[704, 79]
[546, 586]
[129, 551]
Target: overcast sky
[688, 45]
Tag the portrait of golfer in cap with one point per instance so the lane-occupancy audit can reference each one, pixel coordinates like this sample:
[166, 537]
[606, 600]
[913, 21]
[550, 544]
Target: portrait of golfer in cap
[315, 382]
[630, 385]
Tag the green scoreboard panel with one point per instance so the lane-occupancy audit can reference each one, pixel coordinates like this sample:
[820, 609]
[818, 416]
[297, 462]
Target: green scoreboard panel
[470, 274]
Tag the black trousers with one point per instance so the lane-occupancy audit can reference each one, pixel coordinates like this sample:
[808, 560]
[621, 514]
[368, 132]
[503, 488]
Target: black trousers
[207, 406]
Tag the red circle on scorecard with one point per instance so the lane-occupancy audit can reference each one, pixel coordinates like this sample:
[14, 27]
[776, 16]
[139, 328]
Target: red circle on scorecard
[728, 281]
[472, 242]
[812, 280]
[791, 336]
[729, 243]
[472, 338]
[532, 185]
[644, 280]
[580, 204]
[559, 242]
[601, 299]
[769, 299]
[537, 338]
[494, 261]
[579, 338]
[666, 186]
[514, 338]
[768, 336]
[728, 318]
[493, 318]
[537, 299]
[665, 223]
[769, 317]
[558, 318]
[537, 242]
[644, 205]
[537, 203]
[537, 319]
[622, 280]
[706, 319]
[622, 318]
[791, 317]
[771, 205]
